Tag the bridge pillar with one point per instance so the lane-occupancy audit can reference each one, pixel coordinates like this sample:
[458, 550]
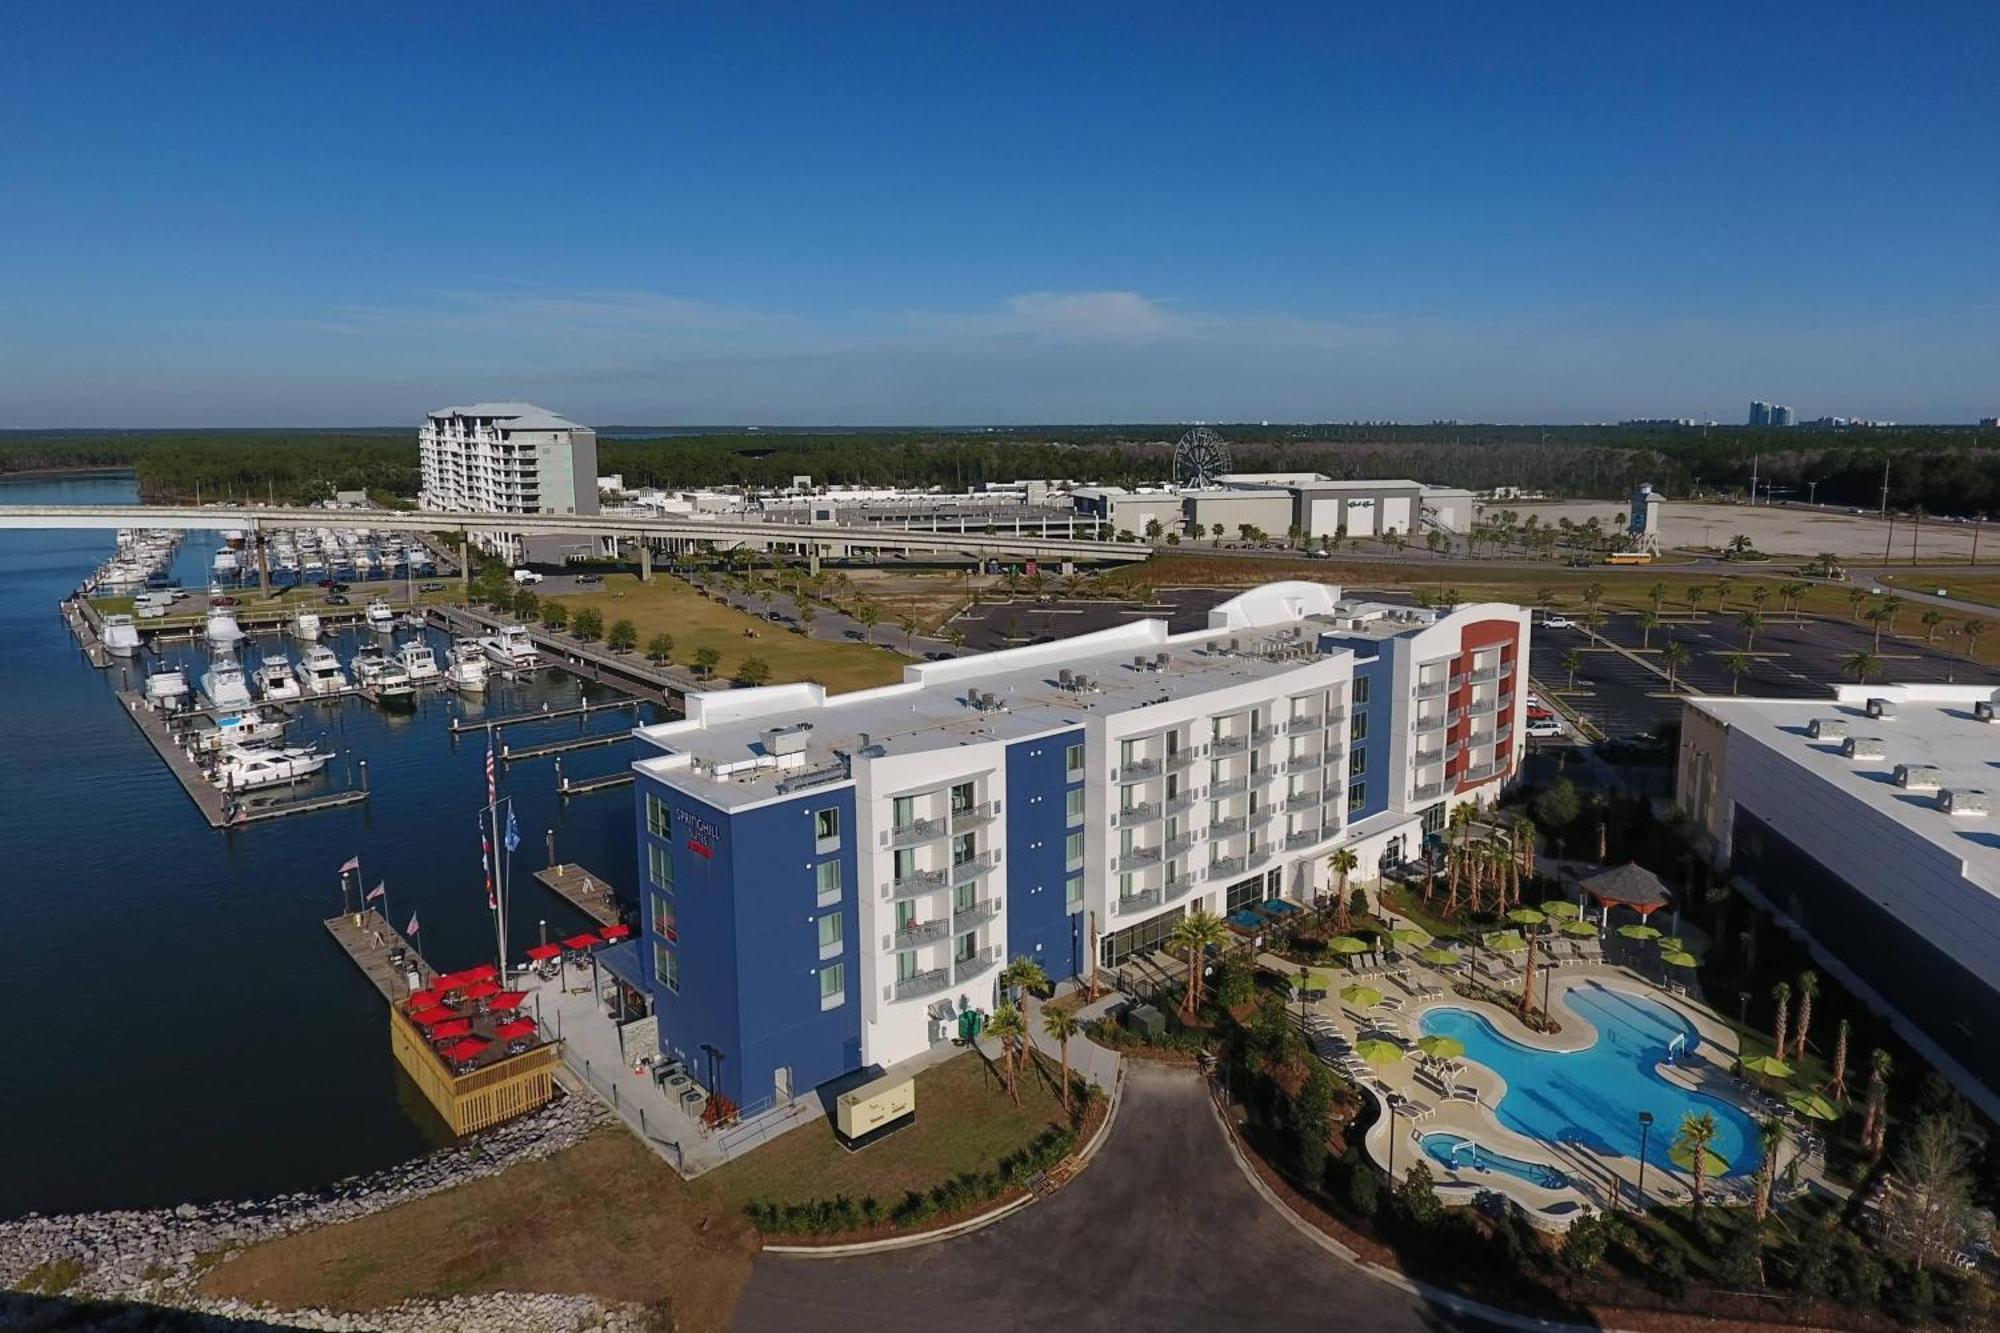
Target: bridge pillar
[812, 559]
[465, 563]
[645, 561]
[263, 561]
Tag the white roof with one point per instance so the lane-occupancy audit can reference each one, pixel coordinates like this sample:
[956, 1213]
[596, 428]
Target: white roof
[515, 416]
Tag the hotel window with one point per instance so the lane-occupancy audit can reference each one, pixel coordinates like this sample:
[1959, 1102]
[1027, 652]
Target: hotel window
[1357, 729]
[906, 863]
[1360, 691]
[961, 798]
[906, 915]
[1357, 763]
[826, 828]
[833, 985]
[658, 817]
[904, 812]
[965, 897]
[1073, 850]
[1075, 803]
[1128, 753]
[1073, 894]
[906, 965]
[1357, 795]
[666, 922]
[967, 948]
[964, 847]
[831, 934]
[1073, 760]
[667, 966]
[826, 877]
[660, 867]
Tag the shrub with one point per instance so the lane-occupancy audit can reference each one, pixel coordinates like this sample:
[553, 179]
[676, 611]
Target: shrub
[1669, 1275]
[1364, 1189]
[624, 636]
[1416, 1197]
[554, 614]
[1585, 1247]
[587, 624]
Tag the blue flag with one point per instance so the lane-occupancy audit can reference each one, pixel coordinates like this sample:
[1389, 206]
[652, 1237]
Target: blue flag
[513, 829]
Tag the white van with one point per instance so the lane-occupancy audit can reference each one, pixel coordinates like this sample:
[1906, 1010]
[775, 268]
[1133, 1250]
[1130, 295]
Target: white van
[526, 576]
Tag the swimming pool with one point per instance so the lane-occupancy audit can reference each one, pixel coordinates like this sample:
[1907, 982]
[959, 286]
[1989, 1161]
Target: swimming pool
[1592, 1097]
[1455, 1152]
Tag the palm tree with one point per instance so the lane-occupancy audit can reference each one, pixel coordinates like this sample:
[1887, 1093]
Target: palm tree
[1007, 1025]
[1759, 594]
[866, 616]
[1341, 864]
[1572, 662]
[1861, 665]
[1880, 615]
[1527, 977]
[1974, 627]
[1698, 1132]
[1837, 1085]
[1856, 598]
[1737, 665]
[1024, 975]
[1658, 592]
[1782, 995]
[1674, 656]
[908, 624]
[1194, 935]
[1808, 987]
[1648, 622]
[1874, 1120]
[956, 638]
[1771, 1135]
[1750, 622]
[1593, 620]
[1061, 1025]
[1695, 593]
[1931, 620]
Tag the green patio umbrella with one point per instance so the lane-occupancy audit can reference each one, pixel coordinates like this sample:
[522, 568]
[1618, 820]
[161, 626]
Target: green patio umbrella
[1679, 958]
[1347, 944]
[1712, 1164]
[1411, 936]
[1673, 944]
[1581, 930]
[1812, 1106]
[1376, 1051]
[1360, 996]
[1527, 916]
[1441, 1048]
[1639, 932]
[1439, 956]
[1770, 1066]
[1562, 909]
[1507, 941]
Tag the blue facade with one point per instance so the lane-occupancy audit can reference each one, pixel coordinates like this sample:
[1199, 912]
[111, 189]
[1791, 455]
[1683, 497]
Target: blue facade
[738, 922]
[1040, 925]
[1376, 717]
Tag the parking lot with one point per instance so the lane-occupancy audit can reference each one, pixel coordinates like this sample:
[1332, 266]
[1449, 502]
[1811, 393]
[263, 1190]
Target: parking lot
[992, 625]
[1786, 660]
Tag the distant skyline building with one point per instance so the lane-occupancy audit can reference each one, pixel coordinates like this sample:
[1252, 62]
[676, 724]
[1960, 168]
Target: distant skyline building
[1771, 414]
[1781, 415]
[506, 458]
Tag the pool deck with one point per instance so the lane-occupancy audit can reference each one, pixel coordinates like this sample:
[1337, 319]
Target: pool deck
[1598, 1181]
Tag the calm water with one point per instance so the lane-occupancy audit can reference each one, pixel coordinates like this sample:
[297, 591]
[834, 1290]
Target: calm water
[1593, 1097]
[178, 1025]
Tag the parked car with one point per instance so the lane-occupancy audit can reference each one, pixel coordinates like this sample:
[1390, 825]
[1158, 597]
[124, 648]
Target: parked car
[338, 599]
[524, 577]
[589, 578]
[1558, 622]
[431, 587]
[1545, 728]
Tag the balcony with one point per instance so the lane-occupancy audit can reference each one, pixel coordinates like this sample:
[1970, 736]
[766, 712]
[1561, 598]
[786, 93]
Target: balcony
[1308, 763]
[1454, 717]
[1458, 681]
[917, 832]
[1421, 756]
[1265, 776]
[965, 918]
[1483, 772]
[1145, 812]
[1139, 902]
[974, 816]
[973, 964]
[1226, 745]
[1303, 838]
[1425, 791]
[1336, 714]
[1309, 722]
[1179, 805]
[1228, 828]
[1179, 760]
[924, 983]
[1222, 867]
[1431, 689]
[963, 872]
[1431, 723]
[1263, 735]
[1305, 800]
[1480, 675]
[1139, 770]
[917, 932]
[1479, 738]
[1138, 857]
[1228, 787]
[1258, 855]
[1178, 845]
[1506, 669]
[916, 884]
[1503, 731]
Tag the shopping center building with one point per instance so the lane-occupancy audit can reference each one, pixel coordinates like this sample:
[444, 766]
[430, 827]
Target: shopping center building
[831, 880]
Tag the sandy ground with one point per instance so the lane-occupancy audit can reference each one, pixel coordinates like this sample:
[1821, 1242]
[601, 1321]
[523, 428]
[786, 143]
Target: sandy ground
[1787, 529]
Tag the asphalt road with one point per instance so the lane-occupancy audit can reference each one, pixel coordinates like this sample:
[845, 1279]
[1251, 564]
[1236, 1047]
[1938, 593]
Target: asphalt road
[1161, 1231]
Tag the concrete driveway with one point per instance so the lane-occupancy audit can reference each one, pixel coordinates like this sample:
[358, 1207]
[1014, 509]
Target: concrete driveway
[1161, 1231]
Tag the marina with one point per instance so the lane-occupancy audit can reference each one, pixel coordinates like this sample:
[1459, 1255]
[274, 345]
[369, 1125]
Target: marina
[220, 807]
[511, 756]
[588, 892]
[546, 715]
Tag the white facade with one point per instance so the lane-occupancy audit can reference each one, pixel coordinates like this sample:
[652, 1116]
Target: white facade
[507, 458]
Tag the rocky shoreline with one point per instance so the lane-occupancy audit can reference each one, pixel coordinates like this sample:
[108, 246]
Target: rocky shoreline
[154, 1255]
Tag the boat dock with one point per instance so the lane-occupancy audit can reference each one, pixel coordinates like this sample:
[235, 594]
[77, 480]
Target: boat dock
[585, 786]
[546, 715]
[222, 809]
[590, 894]
[369, 939]
[86, 636]
[511, 756]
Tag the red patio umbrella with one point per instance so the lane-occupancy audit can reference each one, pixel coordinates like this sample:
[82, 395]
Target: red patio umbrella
[541, 953]
[520, 1027]
[458, 1027]
[484, 972]
[617, 932]
[507, 999]
[423, 999]
[479, 990]
[466, 1049]
[582, 941]
[424, 1018]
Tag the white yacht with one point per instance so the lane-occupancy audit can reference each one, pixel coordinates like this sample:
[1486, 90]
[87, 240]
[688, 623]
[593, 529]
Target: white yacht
[384, 675]
[226, 564]
[511, 648]
[167, 689]
[242, 728]
[120, 636]
[381, 617]
[417, 658]
[223, 684]
[240, 769]
[222, 629]
[276, 680]
[465, 667]
[305, 625]
[321, 671]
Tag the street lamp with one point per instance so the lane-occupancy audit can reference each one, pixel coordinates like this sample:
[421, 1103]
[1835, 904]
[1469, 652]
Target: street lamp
[1305, 979]
[1395, 1101]
[1645, 1133]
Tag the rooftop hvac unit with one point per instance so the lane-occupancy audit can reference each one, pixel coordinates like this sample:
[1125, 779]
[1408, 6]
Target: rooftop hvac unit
[1983, 710]
[1963, 801]
[789, 739]
[1864, 747]
[1159, 662]
[1881, 708]
[1919, 777]
[1066, 678]
[1139, 662]
[1827, 729]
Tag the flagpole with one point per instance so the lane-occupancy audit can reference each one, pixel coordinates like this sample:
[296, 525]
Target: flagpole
[360, 904]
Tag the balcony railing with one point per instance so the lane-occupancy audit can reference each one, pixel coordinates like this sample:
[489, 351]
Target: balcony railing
[1454, 717]
[1310, 722]
[917, 883]
[1422, 756]
[1178, 845]
[972, 816]
[1225, 745]
[1264, 776]
[1458, 680]
[924, 983]
[1137, 857]
[965, 918]
[1228, 787]
[916, 933]
[1431, 689]
[1481, 675]
[1506, 669]
[1336, 714]
[1258, 855]
[1483, 772]
[973, 964]
[1425, 791]
[1431, 723]
[1179, 760]
[1503, 731]
[1139, 770]
[1478, 738]
[973, 867]
[1303, 838]
[1307, 763]
[1224, 866]
[1228, 828]
[1304, 800]
[1139, 902]
[1264, 733]
[1179, 805]
[1145, 812]
[917, 832]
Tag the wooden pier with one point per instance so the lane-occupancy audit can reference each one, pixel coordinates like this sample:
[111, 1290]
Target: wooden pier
[94, 651]
[590, 894]
[220, 808]
[371, 941]
[510, 756]
[547, 715]
[585, 786]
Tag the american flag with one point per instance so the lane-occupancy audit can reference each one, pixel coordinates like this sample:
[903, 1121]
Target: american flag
[486, 864]
[491, 793]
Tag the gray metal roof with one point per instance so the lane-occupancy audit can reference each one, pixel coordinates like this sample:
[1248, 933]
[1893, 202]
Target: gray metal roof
[514, 416]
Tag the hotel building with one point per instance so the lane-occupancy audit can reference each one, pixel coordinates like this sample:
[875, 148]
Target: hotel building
[506, 458]
[1863, 821]
[831, 880]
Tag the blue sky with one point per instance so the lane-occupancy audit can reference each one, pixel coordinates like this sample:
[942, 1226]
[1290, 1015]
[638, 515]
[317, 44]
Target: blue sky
[289, 214]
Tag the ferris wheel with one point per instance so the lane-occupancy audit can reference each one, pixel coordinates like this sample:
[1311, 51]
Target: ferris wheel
[1201, 457]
